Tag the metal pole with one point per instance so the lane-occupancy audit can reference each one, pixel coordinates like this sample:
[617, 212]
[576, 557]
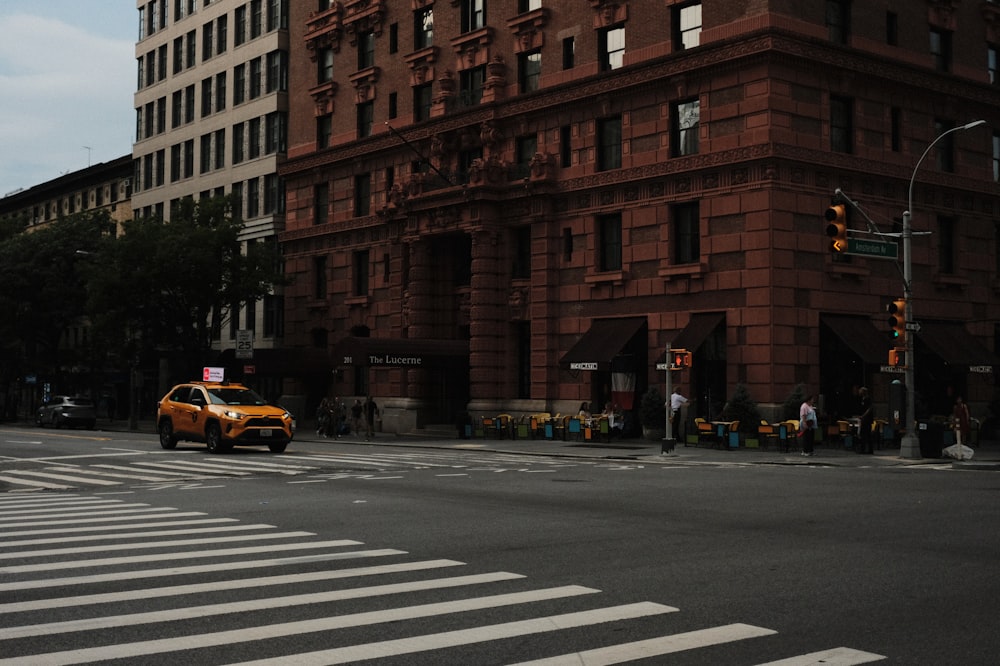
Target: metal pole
[668, 442]
[909, 446]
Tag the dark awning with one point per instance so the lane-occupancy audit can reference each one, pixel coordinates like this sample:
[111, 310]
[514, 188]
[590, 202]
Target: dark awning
[605, 340]
[399, 352]
[282, 362]
[700, 326]
[861, 336]
[956, 346]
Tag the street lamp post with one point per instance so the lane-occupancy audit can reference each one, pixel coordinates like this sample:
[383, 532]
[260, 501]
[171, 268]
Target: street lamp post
[910, 444]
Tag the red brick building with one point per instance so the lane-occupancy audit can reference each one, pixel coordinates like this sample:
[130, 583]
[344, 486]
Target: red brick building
[514, 205]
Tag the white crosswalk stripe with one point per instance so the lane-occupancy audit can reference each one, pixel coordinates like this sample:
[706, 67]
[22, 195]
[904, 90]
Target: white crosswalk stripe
[222, 598]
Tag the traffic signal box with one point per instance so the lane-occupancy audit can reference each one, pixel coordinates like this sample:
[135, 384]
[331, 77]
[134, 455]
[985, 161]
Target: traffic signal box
[836, 227]
[897, 320]
[680, 358]
[897, 357]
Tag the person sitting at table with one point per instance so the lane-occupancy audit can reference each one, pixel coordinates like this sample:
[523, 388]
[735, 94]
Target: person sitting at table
[584, 414]
[613, 413]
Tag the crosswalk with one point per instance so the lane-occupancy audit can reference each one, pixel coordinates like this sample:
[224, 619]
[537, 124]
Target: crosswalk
[87, 579]
[177, 468]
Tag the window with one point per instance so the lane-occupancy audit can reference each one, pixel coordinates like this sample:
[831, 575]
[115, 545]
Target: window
[568, 52]
[946, 244]
[684, 128]
[253, 197]
[422, 96]
[838, 20]
[206, 97]
[611, 48]
[470, 85]
[275, 128]
[220, 149]
[362, 194]
[274, 200]
[189, 158]
[473, 14]
[992, 63]
[237, 192]
[239, 137]
[609, 230]
[161, 115]
[945, 157]
[686, 233]
[319, 277]
[206, 153]
[207, 40]
[609, 143]
[841, 124]
[277, 71]
[392, 105]
[521, 270]
[221, 34]
[996, 157]
[239, 84]
[220, 91]
[892, 28]
[274, 317]
[941, 49]
[240, 34]
[256, 18]
[255, 78]
[366, 116]
[324, 130]
[366, 49]
[161, 63]
[393, 38]
[423, 28]
[253, 132]
[524, 6]
[178, 55]
[324, 65]
[189, 104]
[175, 164]
[687, 26]
[529, 70]
[321, 203]
[360, 266]
[160, 167]
[190, 47]
[525, 148]
[277, 15]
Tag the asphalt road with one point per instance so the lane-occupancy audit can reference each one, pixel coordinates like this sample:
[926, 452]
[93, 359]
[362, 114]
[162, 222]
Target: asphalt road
[340, 553]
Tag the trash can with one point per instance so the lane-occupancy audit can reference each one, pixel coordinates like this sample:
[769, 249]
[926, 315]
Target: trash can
[930, 434]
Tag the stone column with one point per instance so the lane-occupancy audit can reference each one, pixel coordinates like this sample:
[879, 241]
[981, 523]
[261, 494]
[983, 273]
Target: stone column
[489, 327]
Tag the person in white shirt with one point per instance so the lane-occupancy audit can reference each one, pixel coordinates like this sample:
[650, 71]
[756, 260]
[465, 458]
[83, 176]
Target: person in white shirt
[676, 402]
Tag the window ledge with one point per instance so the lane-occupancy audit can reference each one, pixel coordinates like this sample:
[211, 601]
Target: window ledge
[838, 269]
[605, 277]
[696, 271]
[357, 301]
[947, 280]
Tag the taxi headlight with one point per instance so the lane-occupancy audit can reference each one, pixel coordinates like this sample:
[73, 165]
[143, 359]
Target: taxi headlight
[236, 416]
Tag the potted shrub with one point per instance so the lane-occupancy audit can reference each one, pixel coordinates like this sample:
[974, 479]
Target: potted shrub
[743, 409]
[653, 414]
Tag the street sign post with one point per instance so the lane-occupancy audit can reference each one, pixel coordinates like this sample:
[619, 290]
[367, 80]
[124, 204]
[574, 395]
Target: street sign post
[873, 248]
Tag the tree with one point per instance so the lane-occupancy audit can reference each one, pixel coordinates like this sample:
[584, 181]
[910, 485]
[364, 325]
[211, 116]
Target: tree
[159, 284]
[743, 409]
[42, 289]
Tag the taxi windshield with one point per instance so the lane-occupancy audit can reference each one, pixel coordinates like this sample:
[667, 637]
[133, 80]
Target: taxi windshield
[234, 396]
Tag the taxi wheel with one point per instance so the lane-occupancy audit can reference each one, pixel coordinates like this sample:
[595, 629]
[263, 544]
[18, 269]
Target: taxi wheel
[167, 439]
[213, 438]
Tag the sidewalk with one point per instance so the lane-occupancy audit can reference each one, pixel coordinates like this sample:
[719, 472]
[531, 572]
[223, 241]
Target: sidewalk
[986, 456]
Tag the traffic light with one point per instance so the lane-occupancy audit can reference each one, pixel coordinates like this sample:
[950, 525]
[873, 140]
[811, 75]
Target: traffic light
[897, 357]
[680, 358]
[897, 319]
[836, 227]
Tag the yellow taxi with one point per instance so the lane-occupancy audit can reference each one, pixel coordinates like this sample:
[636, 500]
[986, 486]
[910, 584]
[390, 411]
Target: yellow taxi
[222, 415]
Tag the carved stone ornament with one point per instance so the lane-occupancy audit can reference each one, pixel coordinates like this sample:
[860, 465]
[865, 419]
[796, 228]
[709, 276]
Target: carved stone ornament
[324, 30]
[609, 12]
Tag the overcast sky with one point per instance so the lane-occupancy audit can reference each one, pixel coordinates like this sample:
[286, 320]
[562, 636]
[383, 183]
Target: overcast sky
[67, 77]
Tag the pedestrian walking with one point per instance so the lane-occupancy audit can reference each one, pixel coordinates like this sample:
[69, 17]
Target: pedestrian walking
[807, 425]
[677, 401]
[960, 422]
[371, 411]
[323, 415]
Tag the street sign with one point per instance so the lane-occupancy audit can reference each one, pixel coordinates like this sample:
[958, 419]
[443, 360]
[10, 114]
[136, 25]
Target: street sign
[913, 326]
[873, 248]
[244, 343]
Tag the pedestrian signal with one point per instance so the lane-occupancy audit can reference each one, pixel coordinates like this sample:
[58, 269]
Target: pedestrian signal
[680, 358]
[897, 357]
[897, 319]
[836, 227]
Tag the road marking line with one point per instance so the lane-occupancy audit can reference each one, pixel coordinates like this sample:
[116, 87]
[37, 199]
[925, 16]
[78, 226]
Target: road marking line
[195, 467]
[34, 484]
[161, 473]
[113, 475]
[45, 500]
[841, 656]
[159, 557]
[201, 568]
[250, 605]
[654, 647]
[223, 585]
[66, 477]
[133, 535]
[77, 521]
[101, 506]
[384, 649]
[192, 642]
[109, 528]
